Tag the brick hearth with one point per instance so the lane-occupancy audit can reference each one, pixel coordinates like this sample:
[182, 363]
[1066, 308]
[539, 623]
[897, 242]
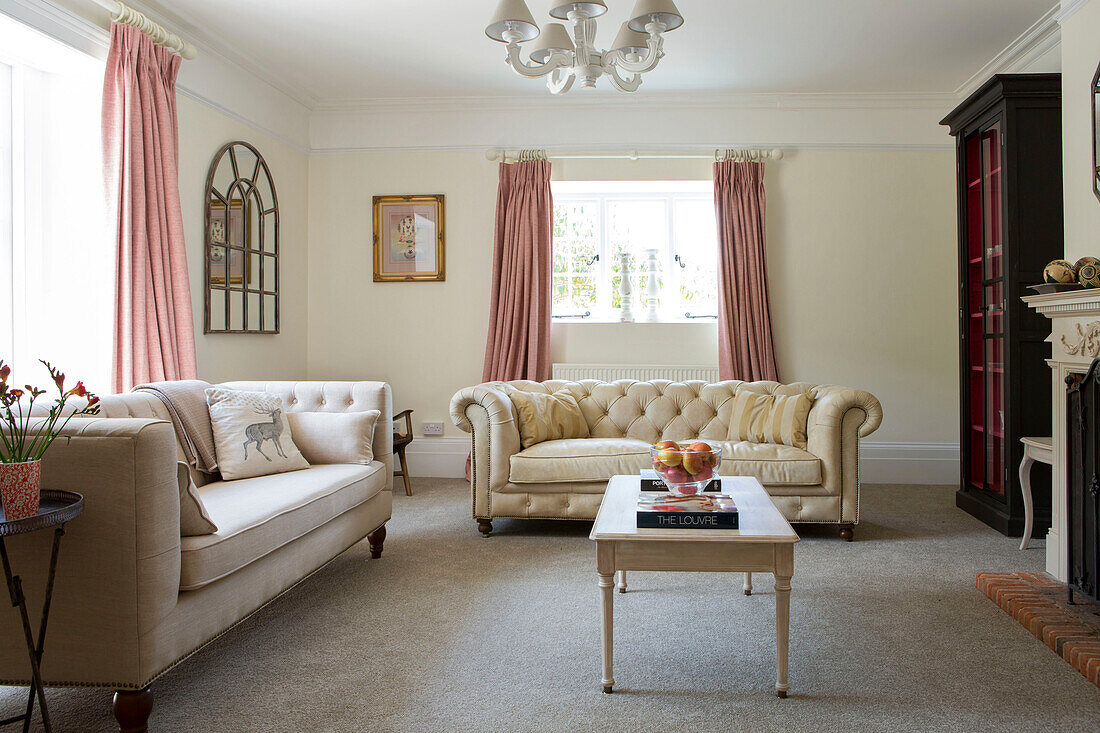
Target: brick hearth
[1040, 604]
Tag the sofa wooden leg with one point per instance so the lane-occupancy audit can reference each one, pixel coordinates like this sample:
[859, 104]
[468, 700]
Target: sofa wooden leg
[847, 532]
[132, 708]
[376, 539]
[485, 526]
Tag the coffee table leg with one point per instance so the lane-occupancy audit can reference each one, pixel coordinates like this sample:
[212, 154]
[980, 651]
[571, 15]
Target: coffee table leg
[622, 581]
[748, 584]
[607, 599]
[782, 631]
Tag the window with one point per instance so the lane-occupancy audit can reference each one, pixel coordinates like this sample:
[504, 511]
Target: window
[56, 259]
[662, 226]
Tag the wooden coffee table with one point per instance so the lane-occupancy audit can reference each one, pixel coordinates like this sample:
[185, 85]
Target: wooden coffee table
[764, 543]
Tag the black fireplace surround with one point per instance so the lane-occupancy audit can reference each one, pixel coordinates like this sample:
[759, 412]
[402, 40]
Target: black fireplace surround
[1083, 474]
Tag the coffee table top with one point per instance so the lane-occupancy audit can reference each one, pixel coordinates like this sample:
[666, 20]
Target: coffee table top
[760, 521]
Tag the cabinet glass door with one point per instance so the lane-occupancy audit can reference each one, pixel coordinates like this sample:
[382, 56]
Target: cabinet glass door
[993, 302]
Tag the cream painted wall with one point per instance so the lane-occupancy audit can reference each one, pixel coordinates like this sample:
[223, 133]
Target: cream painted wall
[202, 131]
[861, 262]
[1080, 56]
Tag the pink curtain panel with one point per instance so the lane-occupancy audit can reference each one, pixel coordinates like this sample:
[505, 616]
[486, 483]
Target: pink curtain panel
[745, 348]
[518, 345]
[154, 333]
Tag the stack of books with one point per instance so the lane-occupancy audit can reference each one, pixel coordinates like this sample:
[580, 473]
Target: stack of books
[658, 509]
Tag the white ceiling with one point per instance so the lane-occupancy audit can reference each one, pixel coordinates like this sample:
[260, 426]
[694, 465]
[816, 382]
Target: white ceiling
[329, 52]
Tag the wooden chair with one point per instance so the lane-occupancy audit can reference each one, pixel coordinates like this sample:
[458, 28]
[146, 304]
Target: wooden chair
[400, 443]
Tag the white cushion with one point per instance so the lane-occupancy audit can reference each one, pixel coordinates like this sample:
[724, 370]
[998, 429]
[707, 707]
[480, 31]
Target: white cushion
[334, 437]
[257, 516]
[251, 434]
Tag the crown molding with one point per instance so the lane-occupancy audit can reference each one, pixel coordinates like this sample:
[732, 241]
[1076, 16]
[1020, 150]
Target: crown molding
[679, 100]
[1043, 35]
[60, 23]
[550, 149]
[1068, 8]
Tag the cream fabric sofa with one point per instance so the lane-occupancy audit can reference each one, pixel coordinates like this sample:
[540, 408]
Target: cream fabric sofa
[565, 479]
[133, 598]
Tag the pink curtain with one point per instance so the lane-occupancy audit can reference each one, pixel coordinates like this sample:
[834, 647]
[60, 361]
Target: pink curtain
[518, 346]
[745, 348]
[154, 333]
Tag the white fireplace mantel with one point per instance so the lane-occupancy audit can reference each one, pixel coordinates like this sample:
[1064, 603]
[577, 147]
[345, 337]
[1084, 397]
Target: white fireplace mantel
[1075, 342]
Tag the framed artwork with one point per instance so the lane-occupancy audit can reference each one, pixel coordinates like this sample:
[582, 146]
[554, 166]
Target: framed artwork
[408, 238]
[237, 231]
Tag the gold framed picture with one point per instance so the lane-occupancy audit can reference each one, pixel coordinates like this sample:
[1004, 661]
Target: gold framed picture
[408, 238]
[223, 239]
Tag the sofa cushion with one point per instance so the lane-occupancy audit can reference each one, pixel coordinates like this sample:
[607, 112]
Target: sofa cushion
[579, 459]
[257, 420]
[256, 516]
[544, 417]
[771, 464]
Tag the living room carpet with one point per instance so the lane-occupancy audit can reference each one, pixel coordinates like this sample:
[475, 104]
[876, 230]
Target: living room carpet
[452, 631]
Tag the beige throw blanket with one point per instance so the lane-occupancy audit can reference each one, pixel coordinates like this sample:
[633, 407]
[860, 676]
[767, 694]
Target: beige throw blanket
[186, 403]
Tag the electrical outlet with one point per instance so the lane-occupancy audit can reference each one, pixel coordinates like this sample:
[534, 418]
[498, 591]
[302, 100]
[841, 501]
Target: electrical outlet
[431, 428]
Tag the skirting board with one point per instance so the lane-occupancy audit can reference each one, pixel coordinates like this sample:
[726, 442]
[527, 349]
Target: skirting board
[879, 463]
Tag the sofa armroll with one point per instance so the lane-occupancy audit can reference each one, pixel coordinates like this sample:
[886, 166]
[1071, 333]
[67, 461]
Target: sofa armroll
[485, 412]
[839, 418]
[119, 567]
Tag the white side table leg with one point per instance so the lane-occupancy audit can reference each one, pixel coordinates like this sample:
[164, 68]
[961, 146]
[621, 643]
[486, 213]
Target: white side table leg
[747, 586]
[1029, 506]
[622, 581]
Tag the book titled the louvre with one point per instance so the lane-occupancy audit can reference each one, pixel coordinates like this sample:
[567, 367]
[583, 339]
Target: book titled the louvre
[657, 510]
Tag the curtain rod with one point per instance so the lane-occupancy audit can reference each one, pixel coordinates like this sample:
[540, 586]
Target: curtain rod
[750, 154]
[161, 36]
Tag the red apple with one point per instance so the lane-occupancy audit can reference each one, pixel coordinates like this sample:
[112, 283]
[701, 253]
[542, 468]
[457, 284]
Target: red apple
[670, 457]
[688, 490]
[709, 455]
[694, 461]
[677, 475]
[705, 475]
[666, 444]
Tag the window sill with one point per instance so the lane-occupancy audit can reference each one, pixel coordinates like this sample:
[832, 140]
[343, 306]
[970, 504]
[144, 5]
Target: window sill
[605, 322]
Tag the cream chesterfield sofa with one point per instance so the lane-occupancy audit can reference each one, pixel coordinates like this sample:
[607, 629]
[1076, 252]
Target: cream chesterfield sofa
[133, 598]
[565, 479]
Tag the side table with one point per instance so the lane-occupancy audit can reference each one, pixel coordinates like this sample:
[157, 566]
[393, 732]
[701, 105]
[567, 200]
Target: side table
[400, 443]
[1035, 450]
[55, 509]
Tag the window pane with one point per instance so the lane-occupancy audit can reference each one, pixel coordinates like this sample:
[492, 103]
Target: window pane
[633, 228]
[575, 246]
[695, 240]
[5, 210]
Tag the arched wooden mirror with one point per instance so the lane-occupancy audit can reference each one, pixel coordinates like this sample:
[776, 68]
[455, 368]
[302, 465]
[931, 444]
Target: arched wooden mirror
[242, 243]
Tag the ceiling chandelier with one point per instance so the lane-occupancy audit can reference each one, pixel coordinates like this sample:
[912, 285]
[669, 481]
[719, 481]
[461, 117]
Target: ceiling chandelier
[564, 60]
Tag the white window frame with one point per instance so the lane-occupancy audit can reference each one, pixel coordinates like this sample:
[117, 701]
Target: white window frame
[602, 193]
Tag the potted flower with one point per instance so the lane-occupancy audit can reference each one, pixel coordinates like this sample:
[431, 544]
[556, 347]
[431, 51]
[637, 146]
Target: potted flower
[23, 441]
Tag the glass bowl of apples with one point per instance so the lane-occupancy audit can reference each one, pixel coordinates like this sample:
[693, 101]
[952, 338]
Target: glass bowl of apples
[686, 467]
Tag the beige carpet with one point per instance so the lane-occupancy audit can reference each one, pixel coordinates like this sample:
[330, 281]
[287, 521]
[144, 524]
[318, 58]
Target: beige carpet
[449, 631]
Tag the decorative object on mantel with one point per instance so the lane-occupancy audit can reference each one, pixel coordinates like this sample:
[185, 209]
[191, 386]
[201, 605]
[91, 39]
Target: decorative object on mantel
[1059, 271]
[21, 448]
[242, 243]
[1086, 260]
[408, 238]
[1048, 288]
[1009, 187]
[565, 60]
[1088, 275]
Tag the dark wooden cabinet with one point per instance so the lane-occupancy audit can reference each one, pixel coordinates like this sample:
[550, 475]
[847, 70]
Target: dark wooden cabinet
[1009, 161]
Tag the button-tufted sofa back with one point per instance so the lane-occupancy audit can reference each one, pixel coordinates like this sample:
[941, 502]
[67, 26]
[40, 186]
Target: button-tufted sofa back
[658, 409]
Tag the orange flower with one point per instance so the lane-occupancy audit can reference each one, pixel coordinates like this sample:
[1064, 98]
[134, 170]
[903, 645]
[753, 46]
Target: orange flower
[79, 390]
[59, 380]
[5, 370]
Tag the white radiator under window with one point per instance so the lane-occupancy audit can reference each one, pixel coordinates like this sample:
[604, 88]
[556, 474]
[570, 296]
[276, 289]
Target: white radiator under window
[641, 372]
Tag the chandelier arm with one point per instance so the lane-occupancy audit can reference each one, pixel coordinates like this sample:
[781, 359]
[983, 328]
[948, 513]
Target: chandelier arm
[656, 52]
[531, 70]
[623, 85]
[561, 81]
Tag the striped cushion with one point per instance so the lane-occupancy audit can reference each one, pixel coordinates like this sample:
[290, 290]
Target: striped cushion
[545, 417]
[770, 418]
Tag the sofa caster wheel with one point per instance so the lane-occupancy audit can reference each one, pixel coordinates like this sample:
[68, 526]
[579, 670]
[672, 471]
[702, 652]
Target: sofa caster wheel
[376, 539]
[847, 532]
[781, 693]
[608, 689]
[748, 592]
[485, 526]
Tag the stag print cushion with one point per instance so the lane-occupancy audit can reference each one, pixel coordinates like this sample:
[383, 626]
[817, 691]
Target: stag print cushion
[251, 434]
